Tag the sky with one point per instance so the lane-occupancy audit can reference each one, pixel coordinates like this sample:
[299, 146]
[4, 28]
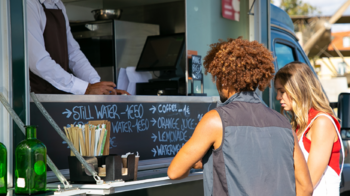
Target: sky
[328, 8]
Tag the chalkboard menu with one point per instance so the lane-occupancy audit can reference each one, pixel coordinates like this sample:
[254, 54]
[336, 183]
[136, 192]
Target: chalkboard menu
[155, 130]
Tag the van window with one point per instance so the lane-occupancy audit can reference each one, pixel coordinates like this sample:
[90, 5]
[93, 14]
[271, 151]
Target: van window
[300, 57]
[284, 54]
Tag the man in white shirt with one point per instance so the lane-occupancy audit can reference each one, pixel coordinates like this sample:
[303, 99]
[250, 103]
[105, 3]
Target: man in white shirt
[53, 52]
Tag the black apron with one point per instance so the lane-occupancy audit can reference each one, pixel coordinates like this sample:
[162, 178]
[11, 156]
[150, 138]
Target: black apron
[55, 37]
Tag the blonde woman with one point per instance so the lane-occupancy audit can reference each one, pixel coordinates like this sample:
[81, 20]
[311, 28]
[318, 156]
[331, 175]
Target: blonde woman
[304, 103]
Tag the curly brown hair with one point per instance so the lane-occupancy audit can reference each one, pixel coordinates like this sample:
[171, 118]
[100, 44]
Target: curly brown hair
[240, 64]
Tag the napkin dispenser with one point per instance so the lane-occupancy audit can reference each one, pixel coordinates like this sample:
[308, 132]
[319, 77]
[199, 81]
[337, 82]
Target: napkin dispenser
[113, 168]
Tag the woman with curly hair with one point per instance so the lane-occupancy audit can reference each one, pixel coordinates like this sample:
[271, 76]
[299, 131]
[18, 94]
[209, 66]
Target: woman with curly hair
[303, 101]
[244, 147]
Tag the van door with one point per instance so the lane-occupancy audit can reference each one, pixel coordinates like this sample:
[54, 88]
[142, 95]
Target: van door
[285, 49]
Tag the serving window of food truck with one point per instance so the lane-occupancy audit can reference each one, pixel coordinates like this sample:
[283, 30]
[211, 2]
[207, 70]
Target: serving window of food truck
[153, 49]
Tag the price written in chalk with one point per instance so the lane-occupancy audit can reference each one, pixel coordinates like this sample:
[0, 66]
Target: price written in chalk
[127, 126]
[104, 112]
[170, 108]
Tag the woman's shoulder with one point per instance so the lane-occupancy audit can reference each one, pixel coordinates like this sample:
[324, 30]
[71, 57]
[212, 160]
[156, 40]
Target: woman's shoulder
[324, 130]
[323, 123]
[323, 119]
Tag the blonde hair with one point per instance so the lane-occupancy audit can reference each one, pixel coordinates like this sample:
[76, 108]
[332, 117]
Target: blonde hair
[304, 90]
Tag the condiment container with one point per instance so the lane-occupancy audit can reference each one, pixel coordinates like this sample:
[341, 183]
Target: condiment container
[110, 168]
[30, 167]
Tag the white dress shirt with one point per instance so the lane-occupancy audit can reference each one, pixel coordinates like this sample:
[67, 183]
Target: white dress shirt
[40, 61]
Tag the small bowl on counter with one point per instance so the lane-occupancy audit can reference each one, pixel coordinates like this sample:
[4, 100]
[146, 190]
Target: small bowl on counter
[106, 14]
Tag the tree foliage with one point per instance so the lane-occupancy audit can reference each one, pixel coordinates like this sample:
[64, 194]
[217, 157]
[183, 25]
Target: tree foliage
[298, 7]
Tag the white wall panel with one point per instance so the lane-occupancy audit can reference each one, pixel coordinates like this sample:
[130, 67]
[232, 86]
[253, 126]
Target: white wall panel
[5, 82]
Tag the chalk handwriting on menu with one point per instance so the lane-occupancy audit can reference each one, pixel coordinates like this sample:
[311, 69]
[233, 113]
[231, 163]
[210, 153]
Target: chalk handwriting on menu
[84, 112]
[103, 112]
[163, 150]
[170, 124]
[171, 129]
[134, 111]
[79, 112]
[170, 108]
[128, 126]
[170, 136]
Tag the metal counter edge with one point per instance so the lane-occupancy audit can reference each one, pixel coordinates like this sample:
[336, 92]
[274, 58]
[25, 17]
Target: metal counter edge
[111, 188]
[126, 99]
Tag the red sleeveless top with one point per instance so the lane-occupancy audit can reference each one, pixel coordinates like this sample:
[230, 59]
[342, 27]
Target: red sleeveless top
[335, 155]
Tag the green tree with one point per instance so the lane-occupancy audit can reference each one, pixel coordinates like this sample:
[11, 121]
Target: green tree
[298, 7]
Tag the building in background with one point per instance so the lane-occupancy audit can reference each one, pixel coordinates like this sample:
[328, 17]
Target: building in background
[330, 55]
[333, 67]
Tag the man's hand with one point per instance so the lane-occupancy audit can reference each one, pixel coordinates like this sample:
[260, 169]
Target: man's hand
[198, 165]
[119, 92]
[100, 88]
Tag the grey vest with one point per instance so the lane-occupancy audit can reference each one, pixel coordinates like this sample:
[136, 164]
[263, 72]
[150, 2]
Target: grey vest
[256, 154]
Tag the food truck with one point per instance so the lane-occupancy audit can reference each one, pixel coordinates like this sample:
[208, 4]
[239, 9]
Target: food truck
[124, 41]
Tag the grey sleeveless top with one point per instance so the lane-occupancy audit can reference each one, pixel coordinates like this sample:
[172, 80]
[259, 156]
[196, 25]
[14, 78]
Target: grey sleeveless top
[256, 154]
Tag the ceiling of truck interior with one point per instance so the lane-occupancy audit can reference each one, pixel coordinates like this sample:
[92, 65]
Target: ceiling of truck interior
[113, 4]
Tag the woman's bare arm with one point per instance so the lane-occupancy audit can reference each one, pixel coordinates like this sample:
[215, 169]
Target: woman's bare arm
[303, 182]
[322, 135]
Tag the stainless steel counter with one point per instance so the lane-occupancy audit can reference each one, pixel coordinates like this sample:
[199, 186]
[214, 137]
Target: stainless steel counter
[146, 168]
[126, 98]
[119, 187]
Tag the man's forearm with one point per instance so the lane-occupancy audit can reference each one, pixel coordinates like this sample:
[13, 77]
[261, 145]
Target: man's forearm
[303, 190]
[173, 176]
